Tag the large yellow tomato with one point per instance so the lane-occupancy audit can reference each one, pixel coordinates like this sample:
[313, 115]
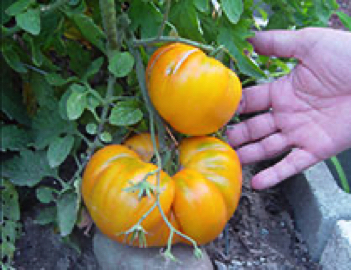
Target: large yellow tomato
[194, 93]
[198, 200]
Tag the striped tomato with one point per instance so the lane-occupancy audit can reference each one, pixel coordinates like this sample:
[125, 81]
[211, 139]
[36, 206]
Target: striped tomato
[198, 200]
[194, 93]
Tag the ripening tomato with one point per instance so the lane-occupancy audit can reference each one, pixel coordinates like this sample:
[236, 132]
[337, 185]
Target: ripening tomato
[198, 200]
[194, 93]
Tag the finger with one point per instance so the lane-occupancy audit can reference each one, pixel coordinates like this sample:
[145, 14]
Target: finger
[260, 97]
[264, 149]
[252, 129]
[256, 98]
[297, 161]
[278, 43]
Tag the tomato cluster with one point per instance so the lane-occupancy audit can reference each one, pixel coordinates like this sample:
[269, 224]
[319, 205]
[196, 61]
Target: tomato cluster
[198, 200]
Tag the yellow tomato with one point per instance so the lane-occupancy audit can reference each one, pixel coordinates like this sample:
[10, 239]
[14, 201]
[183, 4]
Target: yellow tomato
[198, 200]
[194, 93]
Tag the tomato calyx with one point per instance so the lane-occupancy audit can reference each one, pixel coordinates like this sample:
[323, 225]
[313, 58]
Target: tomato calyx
[144, 188]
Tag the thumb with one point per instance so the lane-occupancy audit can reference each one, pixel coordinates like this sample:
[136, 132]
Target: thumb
[278, 43]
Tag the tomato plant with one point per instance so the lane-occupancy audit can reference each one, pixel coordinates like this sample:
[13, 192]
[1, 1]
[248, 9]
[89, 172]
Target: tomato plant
[73, 81]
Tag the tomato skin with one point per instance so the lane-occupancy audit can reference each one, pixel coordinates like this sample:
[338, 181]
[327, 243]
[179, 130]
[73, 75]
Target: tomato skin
[194, 93]
[199, 206]
[198, 200]
[142, 145]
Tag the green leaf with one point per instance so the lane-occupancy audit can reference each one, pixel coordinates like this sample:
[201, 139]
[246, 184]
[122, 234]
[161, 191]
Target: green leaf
[29, 21]
[11, 99]
[14, 138]
[56, 79]
[279, 20]
[45, 194]
[184, 16]
[90, 30]
[106, 137]
[125, 113]
[146, 16]
[121, 64]
[91, 128]
[10, 216]
[4, 17]
[44, 93]
[28, 169]
[48, 125]
[94, 67]
[233, 38]
[67, 210]
[93, 102]
[59, 149]
[12, 58]
[209, 32]
[323, 10]
[37, 56]
[345, 19]
[79, 57]
[9, 201]
[202, 5]
[233, 9]
[77, 101]
[18, 7]
[46, 216]
[7, 248]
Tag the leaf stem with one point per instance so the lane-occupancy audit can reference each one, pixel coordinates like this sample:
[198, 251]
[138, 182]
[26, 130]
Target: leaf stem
[48, 9]
[341, 174]
[165, 18]
[163, 39]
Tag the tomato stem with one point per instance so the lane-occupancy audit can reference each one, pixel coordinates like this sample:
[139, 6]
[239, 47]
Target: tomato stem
[165, 18]
[109, 19]
[164, 39]
[152, 115]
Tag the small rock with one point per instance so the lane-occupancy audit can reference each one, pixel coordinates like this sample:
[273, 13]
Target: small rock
[236, 263]
[115, 256]
[249, 264]
[220, 265]
[264, 231]
[337, 252]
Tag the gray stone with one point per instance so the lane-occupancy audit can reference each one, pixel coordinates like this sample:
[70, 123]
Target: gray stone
[115, 256]
[337, 253]
[318, 203]
[220, 265]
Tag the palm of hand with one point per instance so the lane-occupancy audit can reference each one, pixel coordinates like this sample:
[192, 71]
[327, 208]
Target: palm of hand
[310, 111]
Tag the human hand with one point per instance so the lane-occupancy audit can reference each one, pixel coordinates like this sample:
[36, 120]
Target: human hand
[309, 109]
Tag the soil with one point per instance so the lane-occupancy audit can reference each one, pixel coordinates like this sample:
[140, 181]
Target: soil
[261, 234]
[42, 248]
